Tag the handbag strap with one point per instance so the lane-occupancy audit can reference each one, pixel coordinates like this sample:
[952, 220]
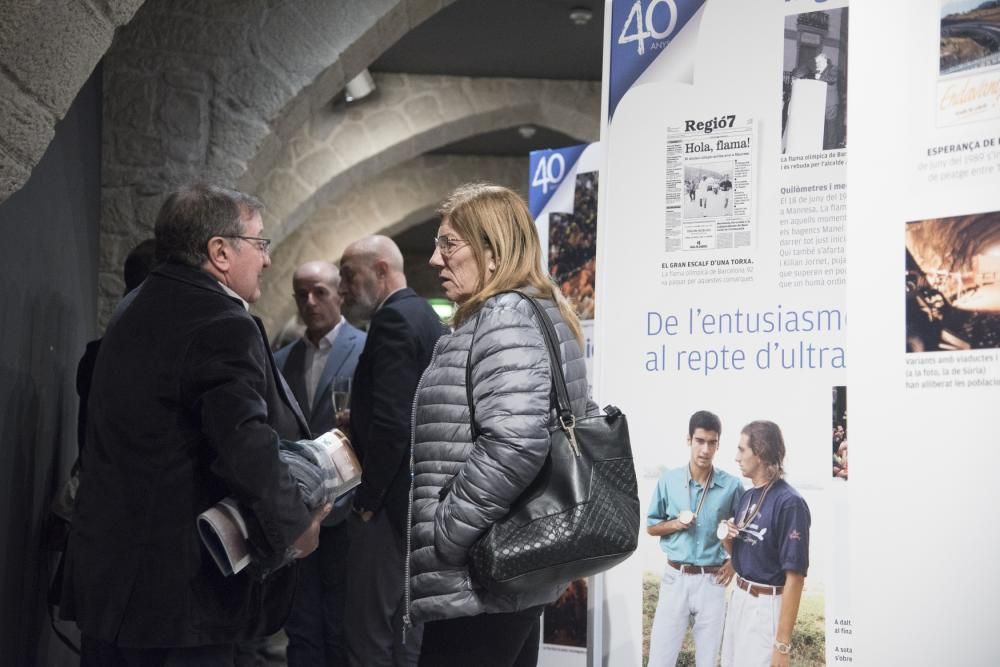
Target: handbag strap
[564, 408]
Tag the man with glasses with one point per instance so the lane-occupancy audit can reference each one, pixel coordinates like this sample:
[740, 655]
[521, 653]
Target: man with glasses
[402, 332]
[186, 407]
[685, 512]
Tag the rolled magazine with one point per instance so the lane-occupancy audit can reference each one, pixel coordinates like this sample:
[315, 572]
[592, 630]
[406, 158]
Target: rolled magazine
[325, 469]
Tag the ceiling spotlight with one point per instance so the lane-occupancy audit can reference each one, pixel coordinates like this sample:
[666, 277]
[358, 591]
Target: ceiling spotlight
[527, 131]
[580, 15]
[360, 86]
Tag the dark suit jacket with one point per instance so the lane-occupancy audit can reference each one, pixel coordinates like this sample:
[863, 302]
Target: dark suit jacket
[186, 407]
[341, 362]
[401, 339]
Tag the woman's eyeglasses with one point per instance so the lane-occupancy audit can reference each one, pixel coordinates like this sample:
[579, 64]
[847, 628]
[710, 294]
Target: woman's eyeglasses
[448, 245]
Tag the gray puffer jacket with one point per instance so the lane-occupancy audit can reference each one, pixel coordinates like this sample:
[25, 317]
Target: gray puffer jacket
[511, 383]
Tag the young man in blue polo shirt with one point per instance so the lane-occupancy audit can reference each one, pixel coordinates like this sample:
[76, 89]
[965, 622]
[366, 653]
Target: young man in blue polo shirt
[769, 542]
[687, 506]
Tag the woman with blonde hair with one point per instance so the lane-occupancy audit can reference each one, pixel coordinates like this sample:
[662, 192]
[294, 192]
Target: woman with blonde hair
[486, 245]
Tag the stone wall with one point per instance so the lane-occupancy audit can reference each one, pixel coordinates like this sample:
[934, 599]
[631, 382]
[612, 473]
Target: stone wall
[47, 51]
[198, 90]
[339, 149]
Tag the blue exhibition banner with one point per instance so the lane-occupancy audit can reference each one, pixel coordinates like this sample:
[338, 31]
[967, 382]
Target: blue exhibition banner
[548, 168]
[640, 31]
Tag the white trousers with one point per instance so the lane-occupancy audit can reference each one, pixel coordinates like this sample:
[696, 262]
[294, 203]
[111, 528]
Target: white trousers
[681, 597]
[751, 625]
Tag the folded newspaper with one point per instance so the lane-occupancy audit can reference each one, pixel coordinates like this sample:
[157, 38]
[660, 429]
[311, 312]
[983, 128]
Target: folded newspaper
[325, 469]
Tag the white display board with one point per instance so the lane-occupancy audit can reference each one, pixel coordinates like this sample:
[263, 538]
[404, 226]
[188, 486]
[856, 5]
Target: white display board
[723, 276]
[923, 233]
[739, 305]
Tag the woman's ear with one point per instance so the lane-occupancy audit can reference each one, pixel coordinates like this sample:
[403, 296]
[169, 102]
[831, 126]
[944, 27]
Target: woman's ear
[491, 265]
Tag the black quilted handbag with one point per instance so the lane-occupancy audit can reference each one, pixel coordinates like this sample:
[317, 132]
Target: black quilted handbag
[580, 516]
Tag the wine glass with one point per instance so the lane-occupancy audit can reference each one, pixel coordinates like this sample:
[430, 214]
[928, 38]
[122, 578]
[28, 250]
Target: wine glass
[342, 402]
[341, 394]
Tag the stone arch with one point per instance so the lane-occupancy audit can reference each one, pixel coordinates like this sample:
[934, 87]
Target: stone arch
[395, 200]
[48, 50]
[197, 89]
[339, 149]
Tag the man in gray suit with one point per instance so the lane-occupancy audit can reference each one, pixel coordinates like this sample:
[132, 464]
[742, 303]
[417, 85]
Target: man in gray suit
[326, 353]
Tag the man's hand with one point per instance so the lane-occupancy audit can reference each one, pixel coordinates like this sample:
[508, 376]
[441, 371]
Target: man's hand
[727, 541]
[668, 527]
[309, 540]
[725, 574]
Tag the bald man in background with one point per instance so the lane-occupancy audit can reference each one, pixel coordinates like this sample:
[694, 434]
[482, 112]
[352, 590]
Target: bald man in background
[327, 351]
[402, 333]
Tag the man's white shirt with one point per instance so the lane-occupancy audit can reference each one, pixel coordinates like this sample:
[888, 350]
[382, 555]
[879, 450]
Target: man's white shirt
[316, 357]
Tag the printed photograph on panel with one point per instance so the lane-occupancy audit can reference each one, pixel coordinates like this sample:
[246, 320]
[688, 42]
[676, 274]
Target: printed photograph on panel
[969, 62]
[953, 283]
[573, 246]
[839, 411]
[564, 622]
[814, 82]
[970, 35]
[708, 188]
[720, 496]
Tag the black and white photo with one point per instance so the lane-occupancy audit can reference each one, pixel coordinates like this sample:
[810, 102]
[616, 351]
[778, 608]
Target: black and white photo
[708, 189]
[814, 82]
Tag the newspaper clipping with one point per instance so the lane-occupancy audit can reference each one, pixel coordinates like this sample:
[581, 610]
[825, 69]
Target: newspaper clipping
[709, 184]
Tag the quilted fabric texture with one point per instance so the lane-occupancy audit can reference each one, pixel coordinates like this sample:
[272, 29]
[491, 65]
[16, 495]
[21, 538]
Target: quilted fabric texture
[606, 524]
[511, 385]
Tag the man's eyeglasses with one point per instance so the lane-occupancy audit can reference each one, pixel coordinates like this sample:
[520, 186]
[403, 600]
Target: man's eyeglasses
[448, 245]
[259, 241]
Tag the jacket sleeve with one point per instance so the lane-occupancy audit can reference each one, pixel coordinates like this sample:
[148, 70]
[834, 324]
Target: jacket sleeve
[396, 368]
[225, 381]
[510, 388]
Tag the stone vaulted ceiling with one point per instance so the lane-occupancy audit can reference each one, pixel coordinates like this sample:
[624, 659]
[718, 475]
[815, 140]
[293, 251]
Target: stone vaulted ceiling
[242, 93]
